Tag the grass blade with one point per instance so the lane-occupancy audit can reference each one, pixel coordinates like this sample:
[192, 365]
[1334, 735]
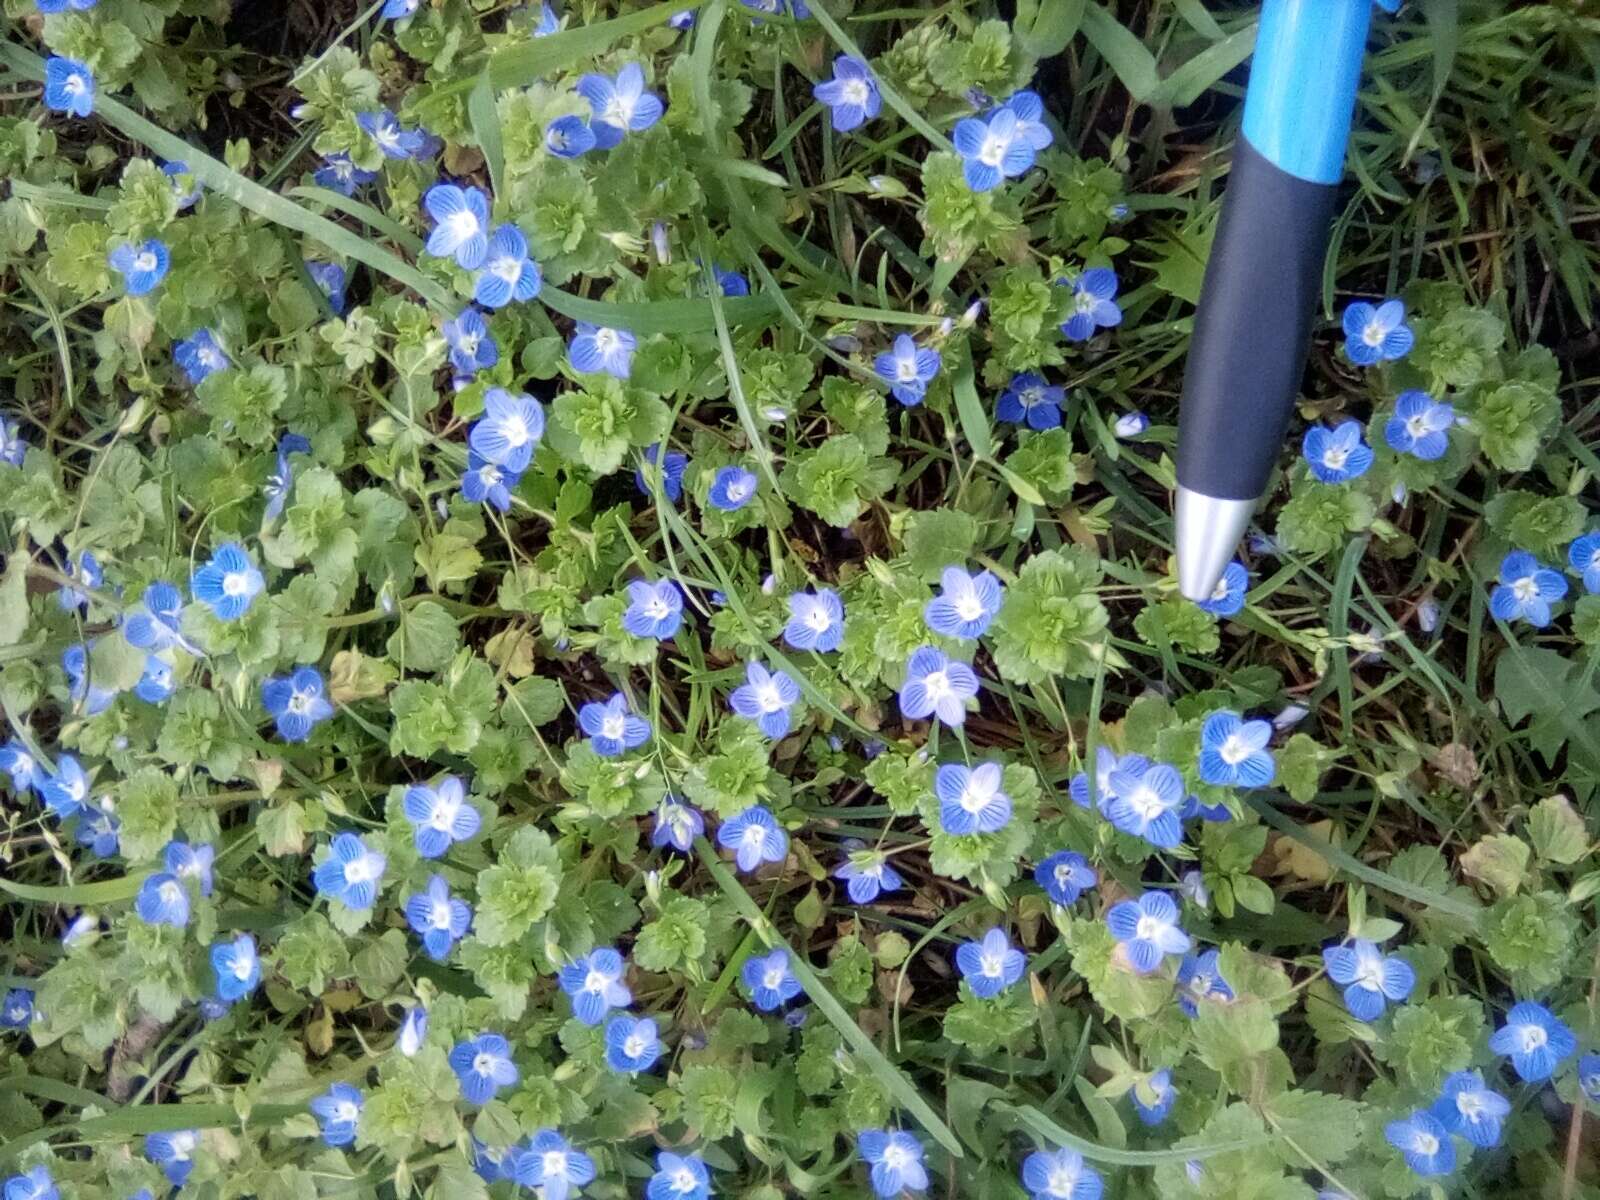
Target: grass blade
[886, 1073]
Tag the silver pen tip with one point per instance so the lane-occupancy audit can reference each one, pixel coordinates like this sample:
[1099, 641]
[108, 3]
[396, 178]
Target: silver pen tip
[1209, 532]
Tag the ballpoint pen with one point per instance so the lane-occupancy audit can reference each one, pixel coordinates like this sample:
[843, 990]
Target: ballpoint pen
[1253, 324]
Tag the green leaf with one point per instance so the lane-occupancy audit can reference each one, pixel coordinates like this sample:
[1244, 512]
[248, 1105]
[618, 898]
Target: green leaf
[1557, 831]
[426, 638]
[520, 889]
[1123, 51]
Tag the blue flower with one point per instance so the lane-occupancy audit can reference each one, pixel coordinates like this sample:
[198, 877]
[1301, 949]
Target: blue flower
[1337, 455]
[60, 6]
[1370, 979]
[439, 918]
[395, 9]
[1147, 803]
[678, 1177]
[461, 224]
[816, 620]
[1130, 424]
[65, 791]
[1028, 398]
[237, 967]
[509, 430]
[966, 604]
[1588, 1070]
[677, 825]
[173, 1152]
[487, 482]
[1060, 1175]
[1107, 764]
[569, 137]
[1467, 1106]
[84, 929]
[338, 1111]
[25, 772]
[1029, 110]
[548, 24]
[655, 610]
[991, 149]
[163, 900]
[671, 467]
[755, 837]
[1228, 596]
[142, 267]
[619, 106]
[594, 984]
[1376, 333]
[13, 449]
[551, 1164]
[1527, 590]
[33, 1184]
[1065, 875]
[772, 984]
[1425, 1143]
[86, 694]
[199, 356]
[68, 86]
[970, 799]
[611, 727]
[732, 488]
[16, 1010]
[1093, 305]
[632, 1045]
[385, 131]
[176, 170]
[1419, 426]
[99, 829]
[1583, 556]
[907, 369]
[340, 174]
[278, 483]
[228, 584]
[1153, 1097]
[1199, 977]
[86, 572]
[766, 698]
[483, 1065]
[681, 20]
[351, 873]
[472, 349]
[508, 273]
[1233, 751]
[413, 1031]
[1147, 929]
[896, 1161]
[866, 873]
[296, 703]
[851, 95]
[730, 283]
[440, 815]
[191, 862]
[330, 280]
[1534, 1040]
[596, 348]
[937, 686]
[991, 964]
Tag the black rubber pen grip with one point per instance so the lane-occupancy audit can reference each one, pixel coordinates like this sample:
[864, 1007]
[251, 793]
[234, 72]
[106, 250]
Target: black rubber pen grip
[1253, 327]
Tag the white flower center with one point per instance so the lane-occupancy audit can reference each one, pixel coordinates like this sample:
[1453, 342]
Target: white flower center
[683, 1180]
[483, 1064]
[634, 1045]
[992, 966]
[171, 893]
[656, 608]
[515, 430]
[74, 85]
[1235, 750]
[1061, 1182]
[938, 685]
[1525, 589]
[1146, 801]
[896, 1157]
[439, 918]
[444, 813]
[969, 606]
[606, 340]
[1369, 974]
[856, 92]
[506, 267]
[754, 836]
[462, 225]
[613, 727]
[738, 490]
[467, 343]
[817, 619]
[346, 1113]
[1084, 302]
[555, 1164]
[1334, 458]
[1470, 1105]
[145, 261]
[300, 703]
[1532, 1038]
[1148, 929]
[1373, 334]
[772, 978]
[359, 870]
[243, 964]
[993, 151]
[1417, 426]
[490, 474]
[905, 370]
[1424, 1143]
[595, 982]
[618, 112]
[235, 583]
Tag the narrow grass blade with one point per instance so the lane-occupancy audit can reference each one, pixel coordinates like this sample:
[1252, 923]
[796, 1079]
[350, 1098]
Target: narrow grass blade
[884, 1071]
[1036, 1123]
[485, 120]
[106, 891]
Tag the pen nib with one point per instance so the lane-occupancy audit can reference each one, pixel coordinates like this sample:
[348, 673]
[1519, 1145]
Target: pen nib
[1209, 532]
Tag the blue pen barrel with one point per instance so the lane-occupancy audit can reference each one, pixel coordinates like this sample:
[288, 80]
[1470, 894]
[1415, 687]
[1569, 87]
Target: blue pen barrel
[1253, 325]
